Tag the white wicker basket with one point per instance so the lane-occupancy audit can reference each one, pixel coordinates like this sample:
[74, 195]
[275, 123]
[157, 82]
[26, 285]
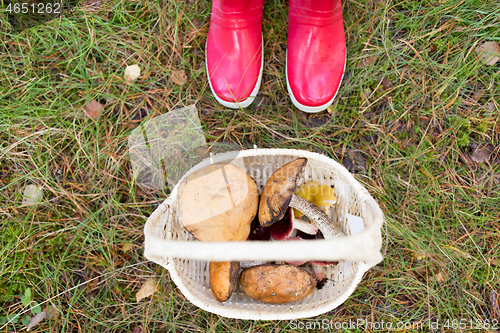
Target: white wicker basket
[170, 245]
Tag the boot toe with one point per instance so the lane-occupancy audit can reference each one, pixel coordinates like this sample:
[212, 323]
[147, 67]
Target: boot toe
[316, 57]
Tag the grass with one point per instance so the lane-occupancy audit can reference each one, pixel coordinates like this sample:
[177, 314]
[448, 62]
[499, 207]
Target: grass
[414, 105]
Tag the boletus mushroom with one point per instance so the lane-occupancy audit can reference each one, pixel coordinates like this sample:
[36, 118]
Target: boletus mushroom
[218, 203]
[223, 278]
[278, 194]
[277, 283]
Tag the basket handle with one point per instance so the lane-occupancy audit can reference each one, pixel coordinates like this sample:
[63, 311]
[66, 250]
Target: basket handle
[364, 246]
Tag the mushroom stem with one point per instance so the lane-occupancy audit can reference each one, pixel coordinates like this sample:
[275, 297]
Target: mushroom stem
[248, 264]
[316, 215]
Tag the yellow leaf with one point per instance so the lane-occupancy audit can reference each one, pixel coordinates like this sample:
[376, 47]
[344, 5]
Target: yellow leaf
[331, 110]
[127, 247]
[148, 289]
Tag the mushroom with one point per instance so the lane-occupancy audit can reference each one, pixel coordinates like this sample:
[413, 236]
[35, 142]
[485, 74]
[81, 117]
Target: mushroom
[277, 283]
[288, 227]
[323, 196]
[258, 232]
[295, 263]
[278, 194]
[307, 191]
[218, 203]
[319, 268]
[223, 278]
[282, 229]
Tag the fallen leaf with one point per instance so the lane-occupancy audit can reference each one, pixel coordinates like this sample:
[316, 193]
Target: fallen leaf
[93, 3]
[139, 329]
[132, 73]
[32, 195]
[127, 247]
[489, 53]
[196, 24]
[47, 313]
[357, 160]
[366, 61]
[37, 320]
[494, 297]
[179, 77]
[93, 109]
[440, 277]
[148, 289]
[494, 261]
[477, 95]
[482, 154]
[489, 106]
[386, 84]
[419, 255]
[78, 217]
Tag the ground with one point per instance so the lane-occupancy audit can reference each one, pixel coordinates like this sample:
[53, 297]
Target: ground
[416, 121]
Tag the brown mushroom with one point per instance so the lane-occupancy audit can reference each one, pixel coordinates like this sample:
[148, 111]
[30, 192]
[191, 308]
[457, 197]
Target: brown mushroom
[218, 203]
[278, 194]
[277, 283]
[223, 278]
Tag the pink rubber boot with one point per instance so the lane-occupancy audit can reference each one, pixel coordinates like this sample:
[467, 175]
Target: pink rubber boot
[234, 51]
[316, 53]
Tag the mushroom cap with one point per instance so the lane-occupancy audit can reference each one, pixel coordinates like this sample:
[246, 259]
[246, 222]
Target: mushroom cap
[281, 229]
[278, 191]
[307, 191]
[223, 278]
[277, 283]
[258, 232]
[218, 203]
[325, 197]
